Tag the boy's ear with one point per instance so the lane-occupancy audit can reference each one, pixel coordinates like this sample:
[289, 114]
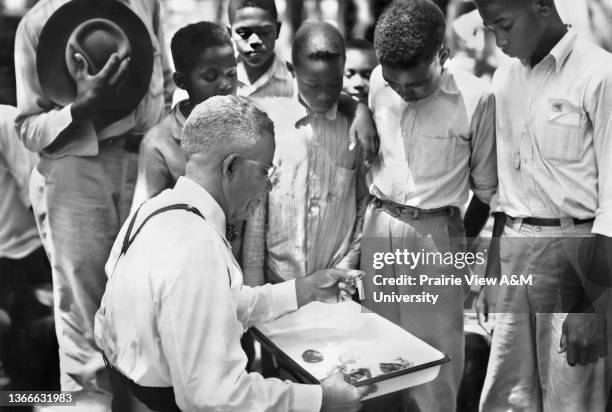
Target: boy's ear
[545, 7]
[179, 80]
[443, 55]
[278, 27]
[290, 68]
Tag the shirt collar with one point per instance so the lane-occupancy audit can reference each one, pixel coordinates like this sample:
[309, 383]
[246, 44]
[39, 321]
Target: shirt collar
[563, 49]
[177, 120]
[277, 70]
[447, 82]
[330, 114]
[195, 195]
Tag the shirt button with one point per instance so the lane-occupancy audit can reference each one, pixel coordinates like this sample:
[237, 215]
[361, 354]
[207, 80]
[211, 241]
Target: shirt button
[538, 228]
[404, 133]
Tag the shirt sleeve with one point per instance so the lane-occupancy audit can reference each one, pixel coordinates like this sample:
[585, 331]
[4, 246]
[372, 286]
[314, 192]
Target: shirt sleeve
[40, 122]
[17, 159]
[166, 67]
[254, 246]
[599, 107]
[153, 174]
[483, 160]
[200, 332]
[263, 303]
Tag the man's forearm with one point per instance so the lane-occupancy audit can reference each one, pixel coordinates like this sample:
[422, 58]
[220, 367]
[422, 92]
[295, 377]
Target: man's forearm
[475, 218]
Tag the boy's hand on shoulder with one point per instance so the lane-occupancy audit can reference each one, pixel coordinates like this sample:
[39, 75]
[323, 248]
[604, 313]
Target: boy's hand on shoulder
[363, 131]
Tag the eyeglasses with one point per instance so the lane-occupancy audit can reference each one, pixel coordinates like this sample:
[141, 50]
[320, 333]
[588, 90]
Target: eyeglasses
[270, 169]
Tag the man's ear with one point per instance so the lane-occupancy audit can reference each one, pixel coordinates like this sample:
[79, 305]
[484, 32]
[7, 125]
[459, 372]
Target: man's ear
[290, 68]
[278, 27]
[179, 80]
[229, 166]
[545, 7]
[443, 55]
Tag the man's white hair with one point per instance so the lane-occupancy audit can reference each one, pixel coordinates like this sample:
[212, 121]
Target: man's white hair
[224, 125]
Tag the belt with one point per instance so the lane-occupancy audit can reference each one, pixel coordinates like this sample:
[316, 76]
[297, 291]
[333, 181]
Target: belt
[397, 210]
[130, 142]
[537, 221]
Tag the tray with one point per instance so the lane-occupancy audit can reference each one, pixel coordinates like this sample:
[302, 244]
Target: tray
[347, 333]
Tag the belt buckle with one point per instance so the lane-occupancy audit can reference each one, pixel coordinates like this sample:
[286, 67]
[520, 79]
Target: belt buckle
[415, 213]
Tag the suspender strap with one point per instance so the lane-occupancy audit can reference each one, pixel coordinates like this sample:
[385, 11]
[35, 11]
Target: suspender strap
[129, 239]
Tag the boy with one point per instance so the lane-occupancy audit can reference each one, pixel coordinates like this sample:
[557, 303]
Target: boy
[554, 147]
[254, 25]
[360, 61]
[205, 66]
[314, 210]
[436, 143]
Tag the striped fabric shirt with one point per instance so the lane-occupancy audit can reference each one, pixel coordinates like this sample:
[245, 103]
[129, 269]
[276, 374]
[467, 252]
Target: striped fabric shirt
[275, 82]
[311, 219]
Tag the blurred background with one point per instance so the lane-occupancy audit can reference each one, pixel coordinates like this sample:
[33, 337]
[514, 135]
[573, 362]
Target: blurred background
[471, 45]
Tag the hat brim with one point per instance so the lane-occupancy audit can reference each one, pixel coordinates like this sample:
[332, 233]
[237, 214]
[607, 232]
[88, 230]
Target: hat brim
[53, 74]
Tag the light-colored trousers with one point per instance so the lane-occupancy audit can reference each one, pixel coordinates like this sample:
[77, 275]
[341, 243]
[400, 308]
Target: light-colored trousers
[526, 370]
[441, 325]
[80, 204]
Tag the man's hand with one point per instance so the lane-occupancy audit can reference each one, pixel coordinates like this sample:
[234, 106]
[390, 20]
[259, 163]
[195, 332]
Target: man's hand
[92, 88]
[583, 337]
[339, 395]
[363, 130]
[327, 285]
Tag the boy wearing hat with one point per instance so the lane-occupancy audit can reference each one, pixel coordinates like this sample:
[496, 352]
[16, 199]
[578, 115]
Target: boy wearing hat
[205, 66]
[436, 143]
[88, 135]
[310, 220]
[554, 147]
[255, 27]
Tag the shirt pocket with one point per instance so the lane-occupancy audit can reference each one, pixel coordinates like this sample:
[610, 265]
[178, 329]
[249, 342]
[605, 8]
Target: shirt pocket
[432, 156]
[564, 130]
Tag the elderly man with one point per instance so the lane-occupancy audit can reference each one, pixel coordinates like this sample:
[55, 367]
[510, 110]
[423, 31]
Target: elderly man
[175, 306]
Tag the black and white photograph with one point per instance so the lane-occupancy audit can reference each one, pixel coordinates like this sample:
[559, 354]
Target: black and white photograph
[305, 205]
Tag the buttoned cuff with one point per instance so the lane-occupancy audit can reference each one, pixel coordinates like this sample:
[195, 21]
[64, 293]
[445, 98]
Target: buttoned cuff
[284, 297]
[603, 224]
[306, 398]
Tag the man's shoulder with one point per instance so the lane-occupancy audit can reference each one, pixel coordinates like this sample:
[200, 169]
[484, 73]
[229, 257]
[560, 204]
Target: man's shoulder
[161, 134]
[34, 20]
[588, 58]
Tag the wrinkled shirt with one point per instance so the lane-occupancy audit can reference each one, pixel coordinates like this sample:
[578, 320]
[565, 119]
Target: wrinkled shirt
[554, 129]
[18, 234]
[175, 308]
[275, 82]
[432, 151]
[312, 218]
[160, 161]
[40, 121]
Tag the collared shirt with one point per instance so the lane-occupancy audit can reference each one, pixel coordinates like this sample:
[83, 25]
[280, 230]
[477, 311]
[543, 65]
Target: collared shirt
[275, 82]
[432, 151]
[40, 121]
[175, 307]
[161, 161]
[311, 219]
[18, 234]
[554, 134]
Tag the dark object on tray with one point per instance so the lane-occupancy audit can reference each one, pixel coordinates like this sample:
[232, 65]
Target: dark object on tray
[357, 375]
[312, 356]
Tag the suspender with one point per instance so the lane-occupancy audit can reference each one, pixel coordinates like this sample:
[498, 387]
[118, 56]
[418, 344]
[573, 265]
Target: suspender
[128, 239]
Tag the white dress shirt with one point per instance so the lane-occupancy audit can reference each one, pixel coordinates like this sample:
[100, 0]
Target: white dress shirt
[554, 134]
[432, 151]
[175, 307]
[18, 234]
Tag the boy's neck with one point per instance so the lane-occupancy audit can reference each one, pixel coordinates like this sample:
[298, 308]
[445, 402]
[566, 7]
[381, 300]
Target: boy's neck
[254, 73]
[549, 41]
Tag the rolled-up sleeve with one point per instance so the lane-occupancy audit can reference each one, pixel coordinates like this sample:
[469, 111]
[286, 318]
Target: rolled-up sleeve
[483, 161]
[254, 246]
[40, 122]
[199, 331]
[599, 108]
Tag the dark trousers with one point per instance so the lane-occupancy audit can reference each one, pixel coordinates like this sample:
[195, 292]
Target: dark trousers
[28, 348]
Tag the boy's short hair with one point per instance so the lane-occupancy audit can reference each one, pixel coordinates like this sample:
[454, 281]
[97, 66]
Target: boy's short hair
[408, 33]
[268, 5]
[359, 44]
[317, 40]
[193, 39]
